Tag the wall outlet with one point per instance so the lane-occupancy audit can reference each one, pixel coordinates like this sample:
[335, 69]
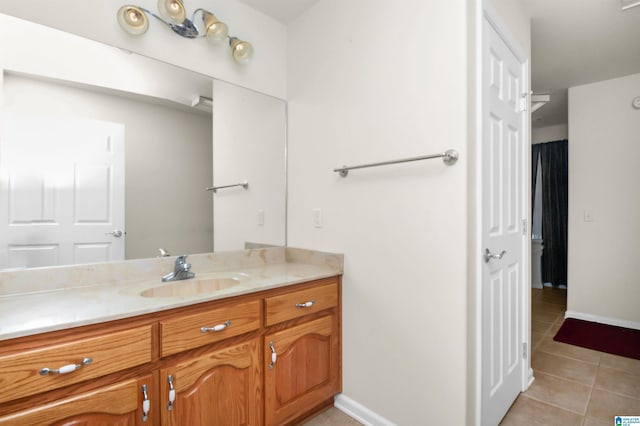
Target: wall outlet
[317, 218]
[260, 217]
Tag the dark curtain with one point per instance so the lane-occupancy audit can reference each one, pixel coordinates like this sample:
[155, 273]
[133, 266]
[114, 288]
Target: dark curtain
[554, 161]
[535, 155]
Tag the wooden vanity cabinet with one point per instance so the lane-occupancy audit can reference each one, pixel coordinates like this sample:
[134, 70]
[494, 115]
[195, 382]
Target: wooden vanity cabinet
[266, 358]
[303, 368]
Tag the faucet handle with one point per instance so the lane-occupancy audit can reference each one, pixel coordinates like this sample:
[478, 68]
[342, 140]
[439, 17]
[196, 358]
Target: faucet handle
[181, 259]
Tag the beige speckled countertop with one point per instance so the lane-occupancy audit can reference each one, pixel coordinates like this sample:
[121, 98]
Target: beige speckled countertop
[38, 300]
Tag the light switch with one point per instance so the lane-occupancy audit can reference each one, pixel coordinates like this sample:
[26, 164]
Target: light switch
[317, 218]
[260, 217]
[588, 215]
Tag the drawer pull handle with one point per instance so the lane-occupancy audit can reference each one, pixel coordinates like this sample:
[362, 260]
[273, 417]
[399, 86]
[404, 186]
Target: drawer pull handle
[65, 368]
[146, 404]
[172, 393]
[216, 328]
[274, 355]
[306, 305]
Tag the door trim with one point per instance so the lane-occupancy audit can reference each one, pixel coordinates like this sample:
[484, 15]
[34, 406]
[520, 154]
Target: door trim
[485, 15]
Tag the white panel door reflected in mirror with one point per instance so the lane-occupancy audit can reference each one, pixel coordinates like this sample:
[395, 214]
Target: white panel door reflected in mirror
[168, 146]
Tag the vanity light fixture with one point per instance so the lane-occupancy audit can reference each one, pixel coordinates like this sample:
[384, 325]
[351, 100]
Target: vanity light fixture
[134, 20]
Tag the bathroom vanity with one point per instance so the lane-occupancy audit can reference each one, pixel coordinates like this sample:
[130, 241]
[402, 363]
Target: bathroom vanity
[264, 348]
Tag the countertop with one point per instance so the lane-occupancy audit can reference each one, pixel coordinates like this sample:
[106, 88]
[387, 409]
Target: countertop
[92, 294]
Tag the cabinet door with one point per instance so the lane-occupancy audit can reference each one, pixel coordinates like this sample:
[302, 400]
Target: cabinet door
[120, 404]
[219, 388]
[306, 371]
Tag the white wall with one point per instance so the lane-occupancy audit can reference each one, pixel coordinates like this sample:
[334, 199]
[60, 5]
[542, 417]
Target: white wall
[248, 133]
[167, 161]
[383, 81]
[603, 267]
[96, 20]
[550, 133]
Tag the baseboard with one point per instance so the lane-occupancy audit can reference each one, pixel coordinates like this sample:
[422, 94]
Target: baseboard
[359, 412]
[536, 285]
[603, 320]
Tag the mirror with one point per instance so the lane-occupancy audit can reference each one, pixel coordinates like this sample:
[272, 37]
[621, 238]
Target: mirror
[106, 155]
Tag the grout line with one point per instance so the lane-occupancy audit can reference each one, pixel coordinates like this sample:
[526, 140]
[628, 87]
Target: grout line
[554, 405]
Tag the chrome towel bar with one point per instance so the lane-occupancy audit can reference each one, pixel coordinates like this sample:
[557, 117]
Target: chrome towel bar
[244, 184]
[449, 157]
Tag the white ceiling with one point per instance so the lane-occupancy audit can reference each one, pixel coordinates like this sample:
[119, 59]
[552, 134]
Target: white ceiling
[573, 42]
[284, 11]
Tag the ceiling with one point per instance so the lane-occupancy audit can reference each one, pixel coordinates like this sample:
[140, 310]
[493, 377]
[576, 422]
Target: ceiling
[284, 11]
[573, 42]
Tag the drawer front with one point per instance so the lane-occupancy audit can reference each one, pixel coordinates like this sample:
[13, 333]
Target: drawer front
[20, 374]
[299, 303]
[186, 332]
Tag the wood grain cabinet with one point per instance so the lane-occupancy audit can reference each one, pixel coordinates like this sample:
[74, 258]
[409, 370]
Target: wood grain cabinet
[219, 388]
[124, 403]
[303, 369]
[264, 358]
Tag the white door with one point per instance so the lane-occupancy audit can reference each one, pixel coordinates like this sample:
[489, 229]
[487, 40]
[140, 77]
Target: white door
[502, 227]
[61, 191]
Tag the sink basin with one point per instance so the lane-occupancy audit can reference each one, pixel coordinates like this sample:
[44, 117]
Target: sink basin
[191, 287]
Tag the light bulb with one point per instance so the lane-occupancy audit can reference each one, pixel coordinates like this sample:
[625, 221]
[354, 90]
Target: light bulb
[216, 30]
[241, 50]
[133, 20]
[172, 11]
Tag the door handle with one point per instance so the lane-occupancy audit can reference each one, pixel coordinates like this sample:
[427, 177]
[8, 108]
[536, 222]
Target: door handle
[116, 233]
[488, 255]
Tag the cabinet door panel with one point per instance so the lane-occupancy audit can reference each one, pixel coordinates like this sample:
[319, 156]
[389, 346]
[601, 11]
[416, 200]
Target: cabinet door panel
[306, 371]
[113, 405]
[220, 388]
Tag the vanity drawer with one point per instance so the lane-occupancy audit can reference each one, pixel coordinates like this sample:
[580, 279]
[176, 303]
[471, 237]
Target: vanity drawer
[303, 302]
[186, 332]
[20, 373]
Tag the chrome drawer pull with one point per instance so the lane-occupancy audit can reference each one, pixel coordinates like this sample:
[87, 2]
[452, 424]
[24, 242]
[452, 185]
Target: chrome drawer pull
[172, 393]
[274, 355]
[306, 305]
[216, 328]
[146, 404]
[65, 368]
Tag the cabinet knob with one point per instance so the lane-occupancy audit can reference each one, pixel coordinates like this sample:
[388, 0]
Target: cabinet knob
[308, 304]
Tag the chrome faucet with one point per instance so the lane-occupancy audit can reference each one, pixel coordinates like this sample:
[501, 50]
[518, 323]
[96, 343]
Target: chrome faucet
[181, 270]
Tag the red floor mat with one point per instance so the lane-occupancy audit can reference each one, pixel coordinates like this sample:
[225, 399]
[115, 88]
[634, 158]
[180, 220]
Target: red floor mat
[601, 337]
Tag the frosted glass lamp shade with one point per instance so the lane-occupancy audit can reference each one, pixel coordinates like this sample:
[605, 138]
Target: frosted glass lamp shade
[133, 20]
[241, 50]
[172, 11]
[216, 30]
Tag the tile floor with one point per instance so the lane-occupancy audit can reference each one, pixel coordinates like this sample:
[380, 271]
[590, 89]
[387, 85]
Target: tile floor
[573, 385]
[331, 417]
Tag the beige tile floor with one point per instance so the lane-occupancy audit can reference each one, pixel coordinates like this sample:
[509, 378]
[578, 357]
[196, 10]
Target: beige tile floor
[573, 385]
[331, 417]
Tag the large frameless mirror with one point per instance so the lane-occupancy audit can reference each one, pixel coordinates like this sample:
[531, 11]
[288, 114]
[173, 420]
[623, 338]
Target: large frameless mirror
[107, 155]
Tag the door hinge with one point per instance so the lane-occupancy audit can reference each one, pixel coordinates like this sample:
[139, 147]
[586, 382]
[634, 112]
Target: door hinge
[524, 227]
[524, 350]
[524, 101]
